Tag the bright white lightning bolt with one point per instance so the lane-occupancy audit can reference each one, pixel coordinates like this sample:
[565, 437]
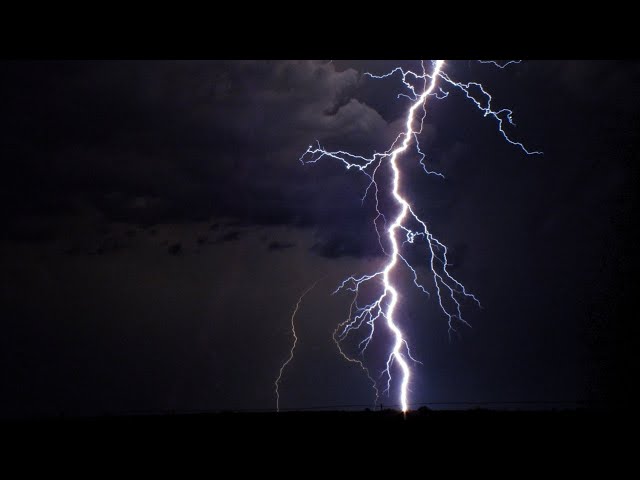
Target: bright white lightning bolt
[449, 290]
[293, 345]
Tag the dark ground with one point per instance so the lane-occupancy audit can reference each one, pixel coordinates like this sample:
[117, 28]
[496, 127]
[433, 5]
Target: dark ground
[557, 426]
[482, 443]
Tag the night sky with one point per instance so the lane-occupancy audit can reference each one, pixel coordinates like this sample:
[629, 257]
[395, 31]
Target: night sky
[158, 229]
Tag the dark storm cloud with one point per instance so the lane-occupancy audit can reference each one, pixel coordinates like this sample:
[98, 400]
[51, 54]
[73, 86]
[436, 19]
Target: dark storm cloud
[228, 237]
[615, 81]
[347, 242]
[202, 239]
[276, 245]
[21, 230]
[152, 142]
[175, 249]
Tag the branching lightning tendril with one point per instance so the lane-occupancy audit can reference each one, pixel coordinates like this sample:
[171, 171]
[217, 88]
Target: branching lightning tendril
[420, 86]
[293, 345]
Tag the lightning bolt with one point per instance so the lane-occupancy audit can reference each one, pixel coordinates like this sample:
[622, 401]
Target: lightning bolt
[450, 292]
[293, 345]
[500, 65]
[338, 341]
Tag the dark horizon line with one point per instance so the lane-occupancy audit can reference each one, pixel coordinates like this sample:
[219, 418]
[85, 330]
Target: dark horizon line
[566, 404]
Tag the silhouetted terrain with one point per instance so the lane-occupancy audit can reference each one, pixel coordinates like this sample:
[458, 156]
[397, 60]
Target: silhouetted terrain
[426, 424]
[471, 441]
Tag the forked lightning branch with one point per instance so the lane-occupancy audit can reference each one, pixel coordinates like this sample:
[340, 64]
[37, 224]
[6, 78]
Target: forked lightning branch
[400, 225]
